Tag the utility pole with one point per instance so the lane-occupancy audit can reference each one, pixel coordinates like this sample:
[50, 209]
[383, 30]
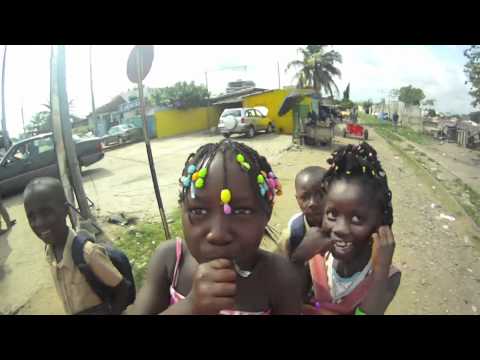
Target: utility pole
[6, 138]
[278, 72]
[23, 118]
[58, 138]
[91, 89]
[206, 80]
[63, 127]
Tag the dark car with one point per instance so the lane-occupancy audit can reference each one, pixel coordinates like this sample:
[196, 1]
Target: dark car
[35, 157]
[123, 133]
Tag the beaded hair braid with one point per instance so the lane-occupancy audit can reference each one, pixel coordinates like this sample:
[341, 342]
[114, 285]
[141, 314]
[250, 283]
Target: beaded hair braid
[259, 171]
[361, 162]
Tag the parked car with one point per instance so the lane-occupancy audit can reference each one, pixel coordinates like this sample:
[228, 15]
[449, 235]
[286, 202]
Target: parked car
[35, 157]
[122, 133]
[246, 121]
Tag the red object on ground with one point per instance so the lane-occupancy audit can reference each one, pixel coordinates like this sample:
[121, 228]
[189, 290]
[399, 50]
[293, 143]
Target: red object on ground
[355, 129]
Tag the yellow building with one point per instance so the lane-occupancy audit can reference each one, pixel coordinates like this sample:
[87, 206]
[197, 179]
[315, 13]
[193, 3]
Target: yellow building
[173, 122]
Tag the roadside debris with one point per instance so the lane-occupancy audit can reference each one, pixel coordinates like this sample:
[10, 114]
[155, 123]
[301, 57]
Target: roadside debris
[122, 219]
[447, 217]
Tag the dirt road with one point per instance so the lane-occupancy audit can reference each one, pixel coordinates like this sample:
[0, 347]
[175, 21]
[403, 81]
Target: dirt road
[441, 267]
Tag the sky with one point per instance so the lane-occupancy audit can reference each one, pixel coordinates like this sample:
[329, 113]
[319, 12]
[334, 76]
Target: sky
[371, 70]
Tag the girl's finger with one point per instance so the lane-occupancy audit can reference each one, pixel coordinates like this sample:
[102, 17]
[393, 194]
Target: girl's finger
[221, 263]
[223, 275]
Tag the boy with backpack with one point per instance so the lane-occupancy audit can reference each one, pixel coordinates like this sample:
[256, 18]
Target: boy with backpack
[90, 278]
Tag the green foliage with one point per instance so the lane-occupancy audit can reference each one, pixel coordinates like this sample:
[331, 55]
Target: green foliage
[317, 69]
[182, 95]
[472, 70]
[410, 95]
[346, 93]
[367, 105]
[140, 243]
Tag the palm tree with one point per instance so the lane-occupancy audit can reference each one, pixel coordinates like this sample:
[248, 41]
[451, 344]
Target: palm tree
[317, 68]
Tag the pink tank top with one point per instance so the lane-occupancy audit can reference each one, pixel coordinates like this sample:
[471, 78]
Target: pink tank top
[175, 296]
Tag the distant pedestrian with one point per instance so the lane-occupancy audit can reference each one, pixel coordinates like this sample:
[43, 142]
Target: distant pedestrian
[6, 217]
[395, 119]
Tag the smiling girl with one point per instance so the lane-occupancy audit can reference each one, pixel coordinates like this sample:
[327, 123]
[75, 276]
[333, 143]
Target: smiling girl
[350, 259]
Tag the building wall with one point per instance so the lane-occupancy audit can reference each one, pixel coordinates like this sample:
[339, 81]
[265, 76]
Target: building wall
[273, 101]
[176, 122]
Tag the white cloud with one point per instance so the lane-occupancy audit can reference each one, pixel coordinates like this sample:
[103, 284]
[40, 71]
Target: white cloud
[370, 70]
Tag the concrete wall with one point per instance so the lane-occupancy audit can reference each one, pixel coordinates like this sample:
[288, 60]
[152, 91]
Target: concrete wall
[409, 115]
[176, 122]
[273, 101]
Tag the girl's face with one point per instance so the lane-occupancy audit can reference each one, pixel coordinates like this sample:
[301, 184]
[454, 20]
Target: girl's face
[351, 217]
[209, 233]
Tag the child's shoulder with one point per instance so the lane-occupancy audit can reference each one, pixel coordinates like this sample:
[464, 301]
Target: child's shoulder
[165, 256]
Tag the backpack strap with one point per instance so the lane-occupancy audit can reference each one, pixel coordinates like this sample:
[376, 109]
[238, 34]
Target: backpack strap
[78, 246]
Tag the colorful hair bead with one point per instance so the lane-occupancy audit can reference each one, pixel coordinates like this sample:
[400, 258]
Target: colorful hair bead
[195, 176]
[262, 191]
[240, 158]
[245, 165]
[260, 179]
[363, 168]
[263, 173]
[199, 183]
[191, 169]
[185, 181]
[203, 172]
[225, 196]
[227, 209]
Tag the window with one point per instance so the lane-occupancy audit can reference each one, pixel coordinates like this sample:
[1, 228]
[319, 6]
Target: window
[43, 145]
[235, 112]
[250, 113]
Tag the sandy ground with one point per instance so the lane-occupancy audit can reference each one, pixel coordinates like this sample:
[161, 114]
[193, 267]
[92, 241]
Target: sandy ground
[441, 267]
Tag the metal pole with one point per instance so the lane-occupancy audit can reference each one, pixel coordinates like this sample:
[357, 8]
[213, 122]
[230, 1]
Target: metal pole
[149, 150]
[6, 138]
[59, 143]
[91, 89]
[206, 80]
[23, 119]
[58, 65]
[278, 72]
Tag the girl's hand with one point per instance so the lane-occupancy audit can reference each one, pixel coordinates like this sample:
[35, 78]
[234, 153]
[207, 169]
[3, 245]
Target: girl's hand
[314, 242]
[382, 250]
[213, 287]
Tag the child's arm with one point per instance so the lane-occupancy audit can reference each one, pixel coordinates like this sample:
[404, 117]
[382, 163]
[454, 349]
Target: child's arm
[314, 242]
[287, 286]
[154, 296]
[383, 288]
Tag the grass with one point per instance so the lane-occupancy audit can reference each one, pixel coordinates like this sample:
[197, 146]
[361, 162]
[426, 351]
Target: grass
[387, 130]
[140, 243]
[472, 208]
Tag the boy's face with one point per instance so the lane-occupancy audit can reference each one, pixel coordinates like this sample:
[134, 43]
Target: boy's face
[209, 233]
[46, 214]
[309, 195]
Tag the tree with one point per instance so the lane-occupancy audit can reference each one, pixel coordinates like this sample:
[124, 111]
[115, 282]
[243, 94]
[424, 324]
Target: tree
[367, 105]
[472, 70]
[410, 95]
[317, 69]
[181, 95]
[41, 122]
[394, 94]
[429, 102]
[346, 93]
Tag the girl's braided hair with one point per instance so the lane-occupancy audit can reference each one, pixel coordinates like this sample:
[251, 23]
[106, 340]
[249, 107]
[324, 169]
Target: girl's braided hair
[361, 162]
[205, 155]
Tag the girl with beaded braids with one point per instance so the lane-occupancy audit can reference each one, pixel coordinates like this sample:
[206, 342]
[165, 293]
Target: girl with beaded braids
[350, 258]
[227, 191]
